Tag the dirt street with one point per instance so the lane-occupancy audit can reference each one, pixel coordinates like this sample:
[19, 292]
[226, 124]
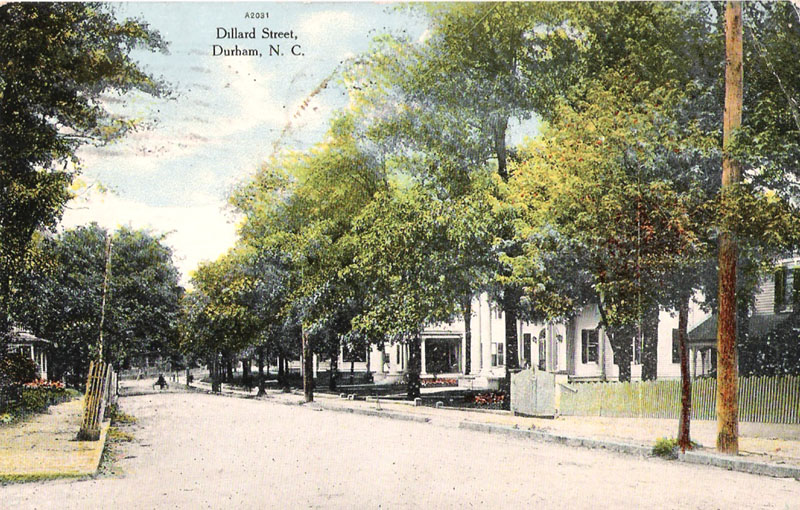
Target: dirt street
[203, 451]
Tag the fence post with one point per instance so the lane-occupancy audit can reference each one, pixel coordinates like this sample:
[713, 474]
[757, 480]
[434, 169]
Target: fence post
[93, 402]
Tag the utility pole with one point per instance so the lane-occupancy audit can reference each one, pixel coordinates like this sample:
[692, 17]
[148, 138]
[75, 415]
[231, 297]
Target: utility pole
[100, 343]
[727, 369]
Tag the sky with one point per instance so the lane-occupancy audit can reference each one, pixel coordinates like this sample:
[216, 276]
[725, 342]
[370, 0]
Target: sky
[224, 116]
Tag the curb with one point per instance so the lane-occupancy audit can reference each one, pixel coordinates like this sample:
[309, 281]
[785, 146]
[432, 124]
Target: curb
[585, 442]
[741, 465]
[374, 412]
[101, 443]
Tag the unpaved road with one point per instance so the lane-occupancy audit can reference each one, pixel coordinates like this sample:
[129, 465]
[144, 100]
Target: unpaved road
[203, 451]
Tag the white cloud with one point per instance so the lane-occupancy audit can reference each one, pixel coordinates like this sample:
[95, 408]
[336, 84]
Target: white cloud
[326, 24]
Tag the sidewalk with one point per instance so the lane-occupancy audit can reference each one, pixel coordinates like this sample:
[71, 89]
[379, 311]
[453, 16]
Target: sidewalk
[765, 449]
[45, 445]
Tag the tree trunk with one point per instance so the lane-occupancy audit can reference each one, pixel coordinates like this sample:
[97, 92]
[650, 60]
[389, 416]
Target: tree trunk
[261, 383]
[414, 367]
[727, 370]
[500, 148]
[308, 368]
[216, 385]
[228, 370]
[620, 338]
[650, 344]
[511, 297]
[334, 369]
[684, 439]
[369, 362]
[246, 373]
[745, 364]
[466, 307]
[281, 371]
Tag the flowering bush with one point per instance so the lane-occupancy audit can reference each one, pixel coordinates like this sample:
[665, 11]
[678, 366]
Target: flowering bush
[43, 383]
[494, 397]
[33, 397]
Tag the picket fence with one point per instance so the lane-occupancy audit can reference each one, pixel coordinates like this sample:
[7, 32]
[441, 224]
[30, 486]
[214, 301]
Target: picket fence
[101, 384]
[761, 399]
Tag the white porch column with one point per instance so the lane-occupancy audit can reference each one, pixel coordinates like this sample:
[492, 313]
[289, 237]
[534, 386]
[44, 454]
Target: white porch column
[601, 353]
[485, 322]
[423, 367]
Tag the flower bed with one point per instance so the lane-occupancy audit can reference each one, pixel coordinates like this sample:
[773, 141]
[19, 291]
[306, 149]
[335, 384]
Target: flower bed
[435, 383]
[30, 398]
[491, 399]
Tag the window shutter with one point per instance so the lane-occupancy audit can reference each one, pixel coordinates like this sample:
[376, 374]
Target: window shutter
[780, 288]
[584, 346]
[796, 288]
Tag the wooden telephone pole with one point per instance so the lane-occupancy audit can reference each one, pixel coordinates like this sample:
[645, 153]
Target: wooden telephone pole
[727, 366]
[100, 342]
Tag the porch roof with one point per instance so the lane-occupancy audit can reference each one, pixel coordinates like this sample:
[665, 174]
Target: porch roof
[19, 336]
[760, 325]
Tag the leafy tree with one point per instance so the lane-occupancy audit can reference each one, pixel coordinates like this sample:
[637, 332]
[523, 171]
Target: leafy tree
[64, 297]
[300, 208]
[220, 312]
[57, 62]
[404, 261]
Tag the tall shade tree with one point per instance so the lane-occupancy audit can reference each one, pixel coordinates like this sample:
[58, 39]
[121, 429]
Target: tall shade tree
[595, 183]
[478, 67]
[403, 260]
[64, 295]
[58, 61]
[302, 206]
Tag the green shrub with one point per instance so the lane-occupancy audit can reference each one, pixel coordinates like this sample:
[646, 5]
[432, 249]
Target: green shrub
[36, 399]
[116, 415]
[666, 448]
[16, 368]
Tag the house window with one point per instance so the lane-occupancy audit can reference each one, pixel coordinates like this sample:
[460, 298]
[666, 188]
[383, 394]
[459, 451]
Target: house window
[796, 288]
[497, 354]
[589, 346]
[543, 350]
[526, 349]
[787, 289]
[676, 346]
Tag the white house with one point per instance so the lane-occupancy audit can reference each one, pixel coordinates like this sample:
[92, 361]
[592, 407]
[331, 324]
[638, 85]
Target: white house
[576, 349]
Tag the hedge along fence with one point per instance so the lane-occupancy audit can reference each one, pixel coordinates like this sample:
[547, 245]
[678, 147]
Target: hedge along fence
[761, 399]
